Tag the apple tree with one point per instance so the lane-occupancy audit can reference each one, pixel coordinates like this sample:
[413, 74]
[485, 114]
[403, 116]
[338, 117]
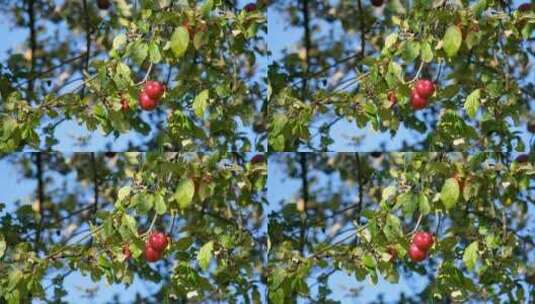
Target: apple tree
[438, 75]
[459, 226]
[191, 223]
[93, 62]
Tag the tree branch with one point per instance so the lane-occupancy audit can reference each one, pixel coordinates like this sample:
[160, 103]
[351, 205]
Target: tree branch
[40, 197]
[33, 43]
[304, 217]
[87, 40]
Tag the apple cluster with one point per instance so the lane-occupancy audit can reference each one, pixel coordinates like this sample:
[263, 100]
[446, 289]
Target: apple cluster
[422, 90]
[421, 243]
[155, 245]
[150, 95]
[250, 7]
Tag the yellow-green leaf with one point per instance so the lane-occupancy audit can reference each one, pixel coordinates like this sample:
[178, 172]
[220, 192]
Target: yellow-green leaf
[471, 105]
[450, 193]
[205, 255]
[184, 192]
[180, 41]
[200, 103]
[470, 255]
[452, 40]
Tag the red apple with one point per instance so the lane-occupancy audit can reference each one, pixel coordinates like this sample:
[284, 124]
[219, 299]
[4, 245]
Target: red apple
[377, 2]
[424, 240]
[127, 253]
[158, 241]
[424, 88]
[392, 98]
[259, 158]
[525, 7]
[392, 251]
[151, 254]
[154, 89]
[103, 4]
[417, 102]
[416, 254]
[124, 105]
[250, 7]
[147, 103]
[522, 158]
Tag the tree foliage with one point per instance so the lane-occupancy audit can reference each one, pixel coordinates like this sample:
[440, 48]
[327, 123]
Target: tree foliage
[80, 63]
[88, 207]
[356, 213]
[352, 55]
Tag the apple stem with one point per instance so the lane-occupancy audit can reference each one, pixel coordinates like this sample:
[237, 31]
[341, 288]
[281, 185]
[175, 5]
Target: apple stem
[152, 223]
[146, 77]
[418, 72]
[417, 224]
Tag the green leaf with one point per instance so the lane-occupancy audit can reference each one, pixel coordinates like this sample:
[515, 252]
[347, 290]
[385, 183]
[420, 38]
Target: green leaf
[200, 103]
[427, 53]
[471, 105]
[408, 202]
[139, 52]
[390, 40]
[388, 193]
[470, 255]
[207, 7]
[154, 53]
[472, 39]
[123, 193]
[205, 255]
[129, 222]
[2, 246]
[184, 192]
[159, 204]
[450, 193]
[452, 40]
[392, 228]
[369, 261]
[119, 42]
[180, 41]
[410, 51]
[423, 204]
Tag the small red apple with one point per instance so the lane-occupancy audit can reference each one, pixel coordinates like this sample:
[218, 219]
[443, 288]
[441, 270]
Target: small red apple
[424, 88]
[154, 89]
[416, 254]
[259, 158]
[392, 98]
[151, 254]
[147, 103]
[250, 7]
[124, 105]
[417, 102]
[158, 241]
[392, 251]
[525, 7]
[377, 2]
[103, 4]
[522, 158]
[127, 253]
[424, 240]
